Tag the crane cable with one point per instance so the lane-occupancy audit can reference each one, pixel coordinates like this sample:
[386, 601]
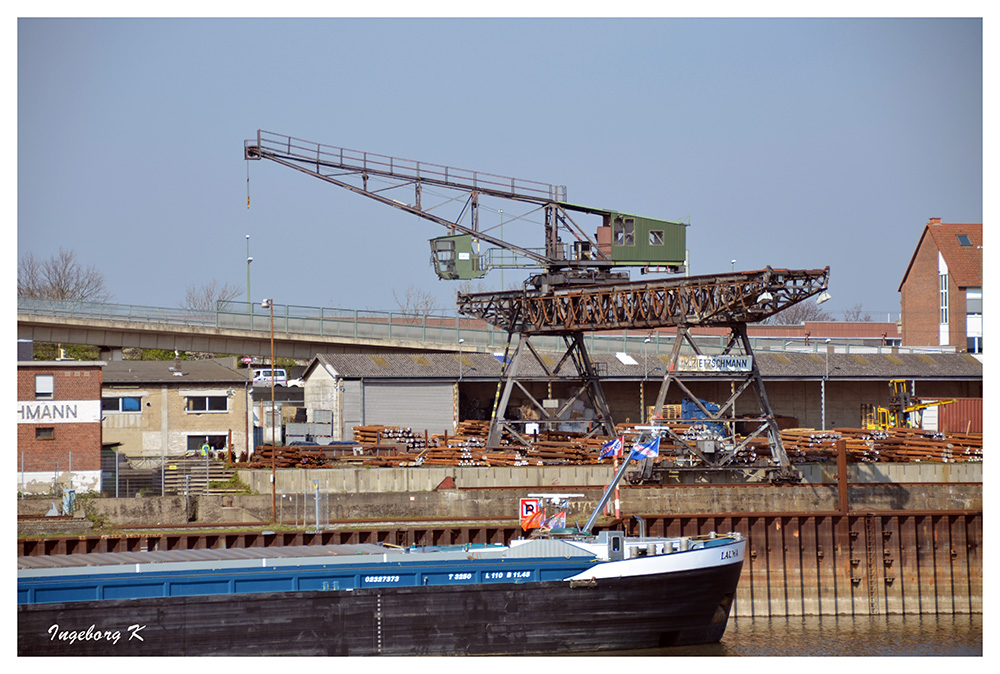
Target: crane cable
[248, 185]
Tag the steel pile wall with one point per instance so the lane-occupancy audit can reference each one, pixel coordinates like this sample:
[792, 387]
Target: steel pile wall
[797, 564]
[855, 564]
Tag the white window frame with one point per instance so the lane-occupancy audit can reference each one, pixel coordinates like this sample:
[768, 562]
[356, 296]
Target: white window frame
[944, 333]
[205, 396]
[119, 398]
[45, 386]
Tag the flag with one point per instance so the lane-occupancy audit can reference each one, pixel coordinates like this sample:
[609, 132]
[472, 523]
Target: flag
[611, 448]
[557, 521]
[646, 450]
[533, 521]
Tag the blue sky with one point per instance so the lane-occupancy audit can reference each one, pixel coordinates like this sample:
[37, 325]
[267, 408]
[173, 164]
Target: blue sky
[794, 143]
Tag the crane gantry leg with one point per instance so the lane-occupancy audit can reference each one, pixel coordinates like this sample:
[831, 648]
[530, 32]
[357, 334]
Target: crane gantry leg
[583, 373]
[738, 366]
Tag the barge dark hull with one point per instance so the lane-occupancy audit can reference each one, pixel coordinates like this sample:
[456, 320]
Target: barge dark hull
[671, 609]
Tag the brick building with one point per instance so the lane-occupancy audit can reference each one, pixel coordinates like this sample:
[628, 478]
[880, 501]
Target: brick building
[59, 426]
[941, 294]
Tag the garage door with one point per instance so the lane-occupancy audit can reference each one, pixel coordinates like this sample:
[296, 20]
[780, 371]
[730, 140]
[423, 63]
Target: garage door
[419, 407]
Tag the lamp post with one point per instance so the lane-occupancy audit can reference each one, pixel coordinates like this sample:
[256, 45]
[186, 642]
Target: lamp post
[269, 304]
[642, 386]
[249, 260]
[826, 373]
[501, 237]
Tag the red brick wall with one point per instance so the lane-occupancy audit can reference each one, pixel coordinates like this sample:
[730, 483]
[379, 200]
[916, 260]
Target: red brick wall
[82, 382]
[956, 316]
[919, 299]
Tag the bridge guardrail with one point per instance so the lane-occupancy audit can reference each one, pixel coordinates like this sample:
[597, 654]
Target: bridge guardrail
[388, 325]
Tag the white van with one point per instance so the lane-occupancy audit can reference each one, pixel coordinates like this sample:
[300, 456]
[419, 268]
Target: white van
[263, 377]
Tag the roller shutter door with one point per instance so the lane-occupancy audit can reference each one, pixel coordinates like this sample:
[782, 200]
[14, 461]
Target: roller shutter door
[350, 407]
[419, 407]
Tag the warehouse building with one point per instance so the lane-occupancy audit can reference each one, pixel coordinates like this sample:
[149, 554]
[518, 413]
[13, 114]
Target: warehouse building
[432, 392]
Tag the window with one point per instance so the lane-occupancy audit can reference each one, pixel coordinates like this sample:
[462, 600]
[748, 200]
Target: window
[974, 320]
[207, 404]
[624, 232]
[45, 433]
[974, 301]
[656, 238]
[44, 386]
[122, 404]
[944, 298]
[964, 240]
[445, 250]
[194, 442]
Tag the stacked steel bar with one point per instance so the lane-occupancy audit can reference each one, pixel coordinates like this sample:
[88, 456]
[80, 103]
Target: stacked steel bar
[400, 447]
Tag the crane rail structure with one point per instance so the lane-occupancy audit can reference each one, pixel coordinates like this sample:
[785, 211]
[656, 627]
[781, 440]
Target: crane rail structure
[717, 300]
[728, 301]
[582, 288]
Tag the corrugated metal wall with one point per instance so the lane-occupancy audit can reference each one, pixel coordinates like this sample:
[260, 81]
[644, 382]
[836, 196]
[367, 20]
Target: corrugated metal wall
[420, 407]
[350, 407]
[965, 415]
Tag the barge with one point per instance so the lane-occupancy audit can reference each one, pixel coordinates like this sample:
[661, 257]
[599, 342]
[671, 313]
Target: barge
[564, 591]
[536, 596]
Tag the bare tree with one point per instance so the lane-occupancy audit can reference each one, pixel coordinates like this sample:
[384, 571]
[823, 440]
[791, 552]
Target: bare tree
[799, 313]
[467, 287]
[416, 302]
[207, 297]
[857, 315]
[61, 277]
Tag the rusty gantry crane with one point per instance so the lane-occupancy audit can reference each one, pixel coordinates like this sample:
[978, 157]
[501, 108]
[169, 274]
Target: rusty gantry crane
[582, 287]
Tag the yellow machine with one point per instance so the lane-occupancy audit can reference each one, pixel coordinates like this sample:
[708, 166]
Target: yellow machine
[904, 411]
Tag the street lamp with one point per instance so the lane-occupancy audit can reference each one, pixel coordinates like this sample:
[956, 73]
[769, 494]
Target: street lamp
[249, 260]
[642, 386]
[826, 373]
[269, 304]
[501, 238]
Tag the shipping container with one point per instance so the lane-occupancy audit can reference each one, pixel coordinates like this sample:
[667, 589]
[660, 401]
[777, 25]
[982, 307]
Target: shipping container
[965, 415]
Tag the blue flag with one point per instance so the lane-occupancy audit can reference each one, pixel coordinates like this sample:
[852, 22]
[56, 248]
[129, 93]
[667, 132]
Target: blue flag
[646, 450]
[612, 448]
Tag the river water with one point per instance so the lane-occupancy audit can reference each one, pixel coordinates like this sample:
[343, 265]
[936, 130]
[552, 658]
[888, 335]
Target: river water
[914, 636]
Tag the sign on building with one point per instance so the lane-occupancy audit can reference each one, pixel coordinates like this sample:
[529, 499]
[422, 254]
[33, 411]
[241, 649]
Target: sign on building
[697, 363]
[59, 412]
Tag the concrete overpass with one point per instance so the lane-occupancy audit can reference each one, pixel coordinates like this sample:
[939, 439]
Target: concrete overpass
[302, 332]
[299, 332]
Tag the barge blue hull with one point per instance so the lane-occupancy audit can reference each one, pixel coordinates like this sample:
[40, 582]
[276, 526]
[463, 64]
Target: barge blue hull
[543, 617]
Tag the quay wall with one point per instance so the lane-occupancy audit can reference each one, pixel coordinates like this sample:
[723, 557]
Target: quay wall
[383, 480]
[881, 547]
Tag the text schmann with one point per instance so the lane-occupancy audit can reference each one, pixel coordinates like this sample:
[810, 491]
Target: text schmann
[62, 411]
[716, 363]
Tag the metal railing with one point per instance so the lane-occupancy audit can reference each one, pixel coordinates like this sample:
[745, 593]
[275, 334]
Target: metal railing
[308, 152]
[422, 328]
